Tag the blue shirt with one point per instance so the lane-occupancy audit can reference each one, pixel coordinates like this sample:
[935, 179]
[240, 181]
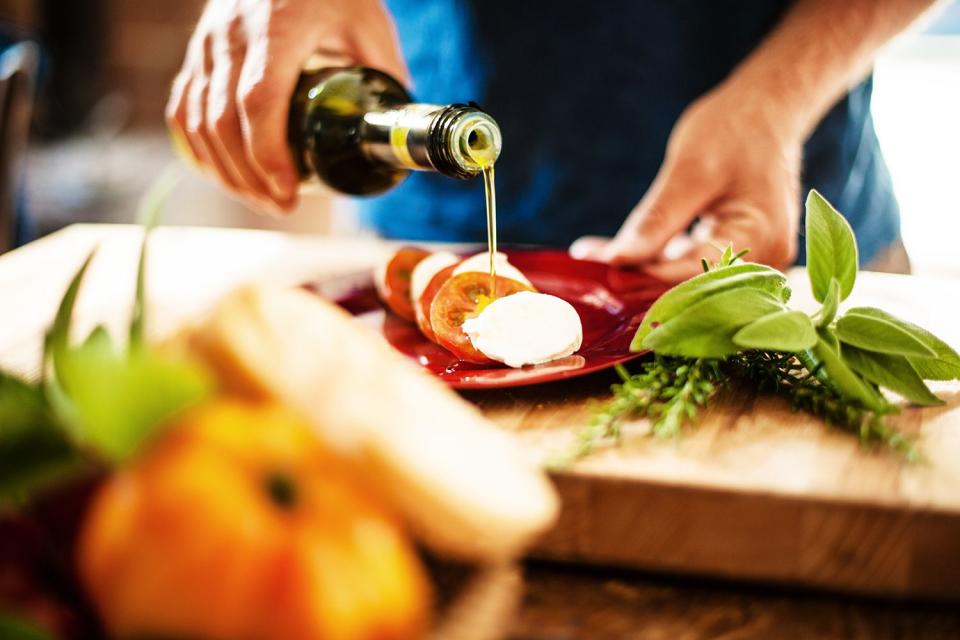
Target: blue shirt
[586, 95]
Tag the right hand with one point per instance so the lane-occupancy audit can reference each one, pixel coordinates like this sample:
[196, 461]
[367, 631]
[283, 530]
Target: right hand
[230, 102]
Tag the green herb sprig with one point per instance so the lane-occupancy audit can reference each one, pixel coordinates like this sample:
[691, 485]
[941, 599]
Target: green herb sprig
[96, 404]
[731, 326]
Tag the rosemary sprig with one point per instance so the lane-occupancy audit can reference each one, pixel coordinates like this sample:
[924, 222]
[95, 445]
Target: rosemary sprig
[668, 390]
[671, 391]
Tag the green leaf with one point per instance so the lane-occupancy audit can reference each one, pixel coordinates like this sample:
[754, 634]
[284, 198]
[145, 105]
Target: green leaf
[57, 339]
[881, 333]
[706, 329]
[727, 255]
[151, 206]
[831, 303]
[892, 372]
[943, 365]
[120, 402]
[688, 293]
[787, 331]
[34, 451]
[13, 627]
[827, 335]
[827, 365]
[831, 248]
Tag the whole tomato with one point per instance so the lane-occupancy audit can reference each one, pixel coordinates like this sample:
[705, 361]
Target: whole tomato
[238, 524]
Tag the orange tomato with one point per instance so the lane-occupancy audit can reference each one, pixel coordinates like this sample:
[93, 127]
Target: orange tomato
[421, 307]
[462, 297]
[237, 524]
[396, 285]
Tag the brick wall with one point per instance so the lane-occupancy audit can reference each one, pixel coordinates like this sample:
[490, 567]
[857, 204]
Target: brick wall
[145, 44]
[147, 40]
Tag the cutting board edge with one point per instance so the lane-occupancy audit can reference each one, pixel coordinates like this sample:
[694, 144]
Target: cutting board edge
[877, 550]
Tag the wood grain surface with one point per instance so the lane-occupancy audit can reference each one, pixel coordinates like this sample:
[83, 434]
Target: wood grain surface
[755, 491]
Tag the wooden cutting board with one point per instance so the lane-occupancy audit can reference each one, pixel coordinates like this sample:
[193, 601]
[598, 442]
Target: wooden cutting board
[754, 491]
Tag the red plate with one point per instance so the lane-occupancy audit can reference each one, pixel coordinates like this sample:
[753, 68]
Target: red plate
[611, 303]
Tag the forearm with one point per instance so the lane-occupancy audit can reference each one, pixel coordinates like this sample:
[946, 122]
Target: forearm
[818, 51]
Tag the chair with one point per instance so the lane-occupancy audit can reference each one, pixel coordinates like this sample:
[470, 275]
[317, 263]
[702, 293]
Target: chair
[18, 71]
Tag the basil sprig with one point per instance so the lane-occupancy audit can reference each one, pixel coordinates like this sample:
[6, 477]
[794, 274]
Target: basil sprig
[733, 323]
[96, 404]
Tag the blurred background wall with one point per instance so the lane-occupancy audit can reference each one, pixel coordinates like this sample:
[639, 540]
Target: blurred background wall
[99, 138]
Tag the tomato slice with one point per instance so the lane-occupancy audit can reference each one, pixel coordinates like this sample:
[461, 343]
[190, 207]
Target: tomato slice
[422, 306]
[396, 281]
[462, 297]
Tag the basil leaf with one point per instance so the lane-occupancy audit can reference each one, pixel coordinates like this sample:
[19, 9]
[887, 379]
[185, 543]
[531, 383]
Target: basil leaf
[35, 452]
[831, 304]
[706, 329]
[58, 336]
[149, 216]
[688, 293]
[892, 372]
[788, 331]
[828, 336]
[831, 248]
[119, 402]
[881, 333]
[827, 365]
[943, 365]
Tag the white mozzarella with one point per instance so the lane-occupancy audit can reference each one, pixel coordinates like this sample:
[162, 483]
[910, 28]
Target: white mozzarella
[425, 270]
[526, 328]
[480, 263]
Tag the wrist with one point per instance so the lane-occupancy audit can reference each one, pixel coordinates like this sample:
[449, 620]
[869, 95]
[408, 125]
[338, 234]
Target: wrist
[779, 100]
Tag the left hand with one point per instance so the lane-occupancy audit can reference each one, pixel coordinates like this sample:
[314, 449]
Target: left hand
[733, 162]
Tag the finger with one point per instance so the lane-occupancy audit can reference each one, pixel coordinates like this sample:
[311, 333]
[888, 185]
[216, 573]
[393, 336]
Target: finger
[197, 131]
[176, 115]
[264, 90]
[589, 248]
[735, 223]
[685, 266]
[766, 230]
[678, 194]
[377, 45]
[223, 121]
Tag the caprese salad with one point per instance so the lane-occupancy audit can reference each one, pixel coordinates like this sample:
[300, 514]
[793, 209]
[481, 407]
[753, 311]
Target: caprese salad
[455, 303]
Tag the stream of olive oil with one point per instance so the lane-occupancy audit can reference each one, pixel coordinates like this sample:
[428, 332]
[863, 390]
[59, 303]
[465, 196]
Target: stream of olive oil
[490, 189]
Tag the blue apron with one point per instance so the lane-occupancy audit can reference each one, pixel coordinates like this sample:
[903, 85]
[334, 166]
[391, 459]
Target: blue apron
[586, 95]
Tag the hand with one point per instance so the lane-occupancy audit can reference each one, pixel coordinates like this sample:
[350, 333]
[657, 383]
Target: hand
[732, 163]
[229, 104]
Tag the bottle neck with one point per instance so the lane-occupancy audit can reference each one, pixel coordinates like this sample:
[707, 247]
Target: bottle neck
[456, 140]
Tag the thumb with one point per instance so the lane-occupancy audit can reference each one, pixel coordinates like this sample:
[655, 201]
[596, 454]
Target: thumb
[676, 197]
[376, 44]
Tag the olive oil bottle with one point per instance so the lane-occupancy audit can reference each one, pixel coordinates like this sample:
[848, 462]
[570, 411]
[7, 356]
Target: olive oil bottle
[358, 131]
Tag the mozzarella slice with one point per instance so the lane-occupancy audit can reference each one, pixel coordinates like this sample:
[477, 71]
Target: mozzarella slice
[480, 263]
[526, 328]
[425, 270]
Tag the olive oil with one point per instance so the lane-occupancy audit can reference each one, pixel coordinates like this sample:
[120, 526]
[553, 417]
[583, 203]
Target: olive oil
[359, 131]
[490, 190]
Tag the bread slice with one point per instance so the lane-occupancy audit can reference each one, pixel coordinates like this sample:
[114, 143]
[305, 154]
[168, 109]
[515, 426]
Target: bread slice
[464, 486]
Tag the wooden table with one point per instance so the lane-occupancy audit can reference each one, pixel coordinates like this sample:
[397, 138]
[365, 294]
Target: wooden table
[190, 268]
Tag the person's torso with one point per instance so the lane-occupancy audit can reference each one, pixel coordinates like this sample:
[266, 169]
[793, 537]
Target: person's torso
[586, 96]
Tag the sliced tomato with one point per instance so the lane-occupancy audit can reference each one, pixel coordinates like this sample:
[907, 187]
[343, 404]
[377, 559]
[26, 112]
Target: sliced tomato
[396, 281]
[422, 306]
[463, 297]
